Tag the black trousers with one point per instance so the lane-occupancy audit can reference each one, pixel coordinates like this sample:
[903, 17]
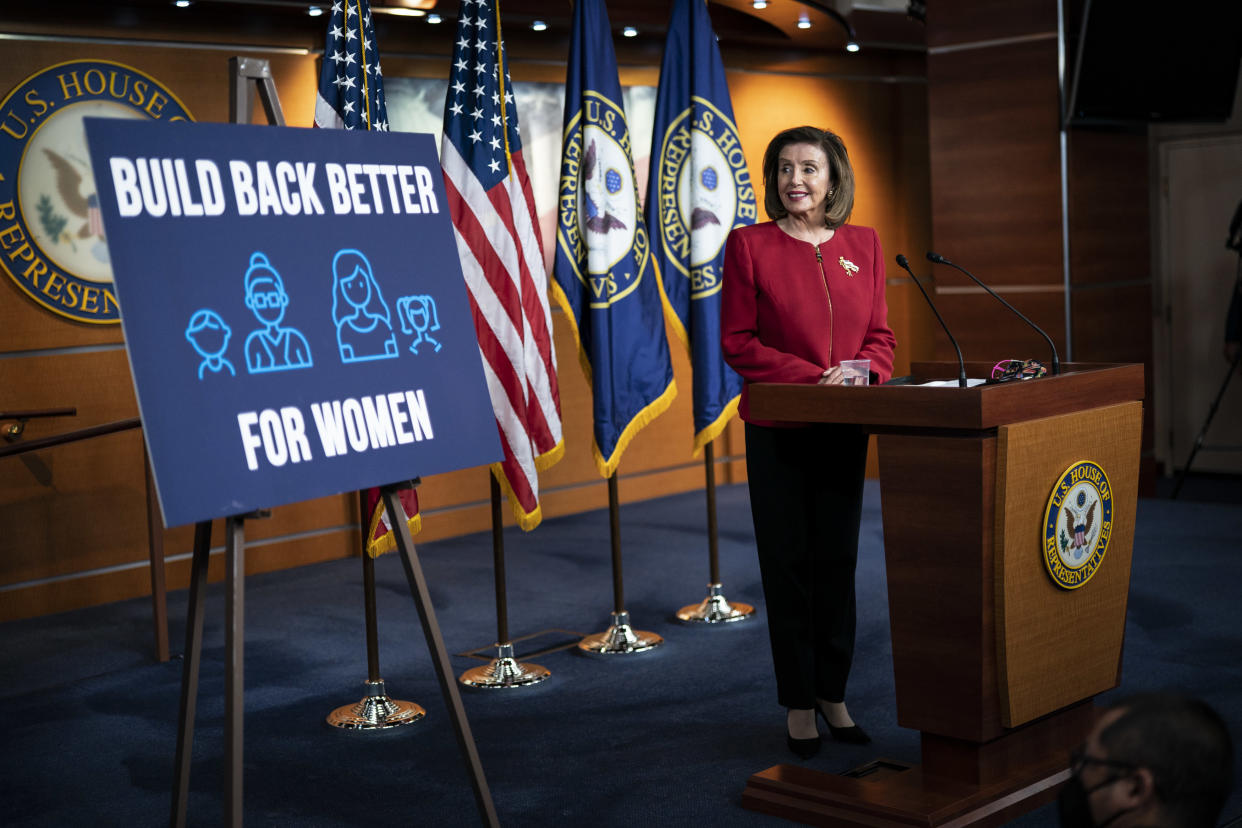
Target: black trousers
[806, 500]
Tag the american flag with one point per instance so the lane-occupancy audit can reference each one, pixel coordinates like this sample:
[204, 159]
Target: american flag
[493, 211]
[351, 96]
[351, 86]
[94, 218]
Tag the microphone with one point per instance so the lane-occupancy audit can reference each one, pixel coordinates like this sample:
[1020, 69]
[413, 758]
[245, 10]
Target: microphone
[904, 264]
[1056, 362]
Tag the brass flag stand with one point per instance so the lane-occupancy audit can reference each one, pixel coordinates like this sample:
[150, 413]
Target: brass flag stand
[715, 608]
[503, 671]
[620, 638]
[376, 711]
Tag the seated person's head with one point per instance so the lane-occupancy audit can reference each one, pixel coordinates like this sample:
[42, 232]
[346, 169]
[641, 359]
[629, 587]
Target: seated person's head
[1151, 760]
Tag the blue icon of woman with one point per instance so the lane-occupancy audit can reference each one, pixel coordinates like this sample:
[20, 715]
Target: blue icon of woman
[271, 348]
[363, 324]
[209, 335]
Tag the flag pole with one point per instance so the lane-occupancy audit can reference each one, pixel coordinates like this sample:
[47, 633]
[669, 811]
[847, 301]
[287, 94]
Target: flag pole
[715, 608]
[376, 710]
[620, 637]
[504, 671]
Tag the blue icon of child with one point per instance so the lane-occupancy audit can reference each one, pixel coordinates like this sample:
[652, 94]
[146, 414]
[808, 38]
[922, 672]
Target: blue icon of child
[271, 348]
[209, 335]
[418, 315]
[363, 324]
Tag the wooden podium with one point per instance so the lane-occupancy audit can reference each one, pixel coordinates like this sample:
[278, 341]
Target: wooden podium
[994, 663]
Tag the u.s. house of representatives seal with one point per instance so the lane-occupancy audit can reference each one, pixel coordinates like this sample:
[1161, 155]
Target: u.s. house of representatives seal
[705, 191]
[1078, 523]
[600, 218]
[52, 241]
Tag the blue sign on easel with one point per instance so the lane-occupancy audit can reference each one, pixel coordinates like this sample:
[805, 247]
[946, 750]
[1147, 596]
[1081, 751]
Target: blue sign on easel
[294, 311]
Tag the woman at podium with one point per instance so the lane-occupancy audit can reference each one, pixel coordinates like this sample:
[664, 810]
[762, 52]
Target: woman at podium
[801, 294]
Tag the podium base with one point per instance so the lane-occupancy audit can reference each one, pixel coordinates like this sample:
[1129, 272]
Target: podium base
[887, 793]
[715, 609]
[959, 783]
[376, 711]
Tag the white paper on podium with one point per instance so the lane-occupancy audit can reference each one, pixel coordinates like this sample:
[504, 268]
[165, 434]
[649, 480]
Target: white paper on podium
[970, 383]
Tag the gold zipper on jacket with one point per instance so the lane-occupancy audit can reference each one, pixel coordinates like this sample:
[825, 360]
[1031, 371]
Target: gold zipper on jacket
[819, 257]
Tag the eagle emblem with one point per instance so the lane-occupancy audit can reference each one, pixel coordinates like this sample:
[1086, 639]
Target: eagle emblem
[1078, 523]
[69, 187]
[597, 220]
[849, 267]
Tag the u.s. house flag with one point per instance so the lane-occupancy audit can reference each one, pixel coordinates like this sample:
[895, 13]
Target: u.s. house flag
[698, 190]
[351, 96]
[606, 280]
[493, 211]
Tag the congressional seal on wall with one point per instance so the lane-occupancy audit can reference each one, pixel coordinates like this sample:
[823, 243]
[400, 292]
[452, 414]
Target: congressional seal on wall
[52, 241]
[705, 191]
[1078, 523]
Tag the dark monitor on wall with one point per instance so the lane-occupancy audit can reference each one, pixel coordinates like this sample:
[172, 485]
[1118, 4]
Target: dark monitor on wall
[1137, 61]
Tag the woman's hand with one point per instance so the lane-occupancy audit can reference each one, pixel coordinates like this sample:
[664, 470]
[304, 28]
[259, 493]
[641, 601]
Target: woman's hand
[833, 376]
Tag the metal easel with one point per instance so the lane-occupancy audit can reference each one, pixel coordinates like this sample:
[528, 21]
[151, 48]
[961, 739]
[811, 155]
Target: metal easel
[242, 72]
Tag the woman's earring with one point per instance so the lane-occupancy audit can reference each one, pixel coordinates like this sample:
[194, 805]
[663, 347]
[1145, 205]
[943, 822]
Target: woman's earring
[830, 192]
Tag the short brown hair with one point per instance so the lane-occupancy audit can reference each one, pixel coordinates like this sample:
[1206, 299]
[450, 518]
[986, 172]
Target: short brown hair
[841, 203]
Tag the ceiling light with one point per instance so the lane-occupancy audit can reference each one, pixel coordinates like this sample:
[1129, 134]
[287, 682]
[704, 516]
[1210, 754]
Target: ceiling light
[434, 18]
[182, 4]
[630, 31]
[314, 11]
[852, 46]
[538, 25]
[760, 4]
[398, 11]
[804, 22]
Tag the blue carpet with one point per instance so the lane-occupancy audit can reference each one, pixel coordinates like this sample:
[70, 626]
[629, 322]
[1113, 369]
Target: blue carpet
[663, 738]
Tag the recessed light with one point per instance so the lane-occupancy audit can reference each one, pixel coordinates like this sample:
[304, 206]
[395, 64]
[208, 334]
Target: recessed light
[314, 11]
[852, 46]
[538, 25]
[804, 22]
[182, 4]
[398, 11]
[630, 31]
[760, 4]
[434, 18]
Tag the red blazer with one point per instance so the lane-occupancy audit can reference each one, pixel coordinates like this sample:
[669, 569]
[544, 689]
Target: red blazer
[787, 317]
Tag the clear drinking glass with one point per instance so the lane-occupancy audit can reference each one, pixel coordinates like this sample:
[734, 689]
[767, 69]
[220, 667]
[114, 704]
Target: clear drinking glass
[856, 371]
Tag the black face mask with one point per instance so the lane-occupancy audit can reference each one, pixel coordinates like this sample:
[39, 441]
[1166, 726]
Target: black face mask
[1074, 804]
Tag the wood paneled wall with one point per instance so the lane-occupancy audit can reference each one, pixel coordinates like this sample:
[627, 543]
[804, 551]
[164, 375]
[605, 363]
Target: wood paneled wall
[996, 175]
[997, 198]
[78, 536]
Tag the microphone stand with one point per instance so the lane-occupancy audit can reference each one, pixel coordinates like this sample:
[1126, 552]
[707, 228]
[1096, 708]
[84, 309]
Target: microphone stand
[1056, 362]
[904, 264]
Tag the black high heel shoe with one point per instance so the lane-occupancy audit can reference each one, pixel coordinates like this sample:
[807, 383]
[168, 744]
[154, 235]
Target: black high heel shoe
[852, 735]
[803, 748]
